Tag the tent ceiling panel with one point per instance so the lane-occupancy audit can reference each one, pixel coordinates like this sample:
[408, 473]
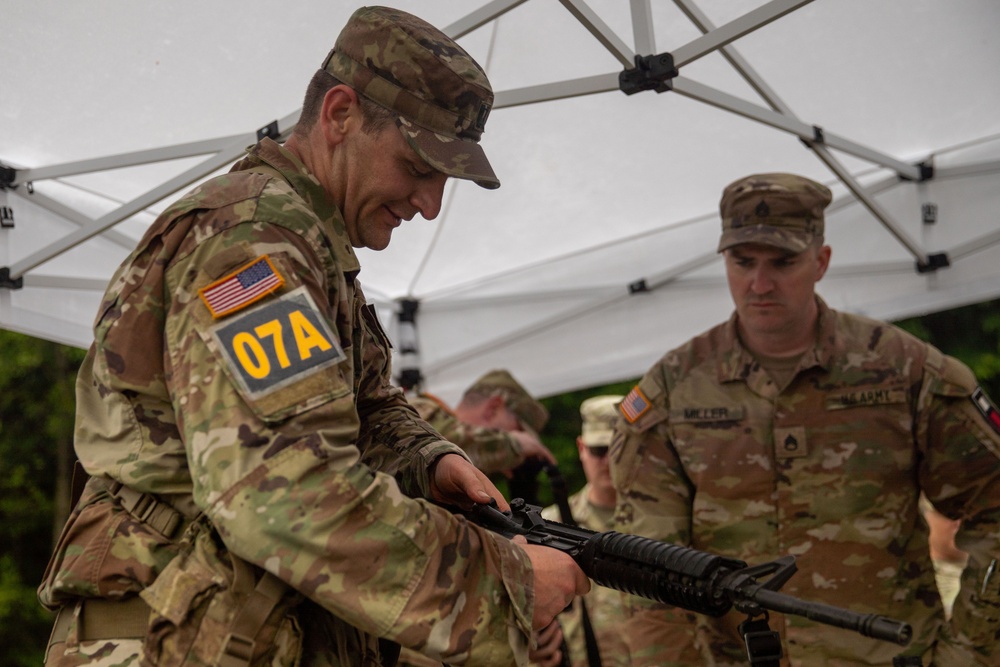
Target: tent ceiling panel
[599, 190]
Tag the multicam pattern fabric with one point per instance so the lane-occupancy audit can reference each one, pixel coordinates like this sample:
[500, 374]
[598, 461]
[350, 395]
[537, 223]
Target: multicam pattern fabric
[490, 449]
[829, 470]
[278, 425]
[780, 210]
[440, 92]
[604, 605]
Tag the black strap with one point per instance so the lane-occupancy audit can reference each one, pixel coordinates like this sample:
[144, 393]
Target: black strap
[561, 494]
[763, 644]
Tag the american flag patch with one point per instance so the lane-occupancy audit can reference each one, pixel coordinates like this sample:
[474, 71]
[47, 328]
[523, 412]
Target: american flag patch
[634, 405]
[986, 408]
[239, 289]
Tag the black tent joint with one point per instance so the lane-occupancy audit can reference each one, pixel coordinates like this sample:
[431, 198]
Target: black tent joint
[650, 73]
[926, 172]
[10, 283]
[817, 138]
[7, 176]
[934, 262]
[6, 217]
[269, 130]
[638, 286]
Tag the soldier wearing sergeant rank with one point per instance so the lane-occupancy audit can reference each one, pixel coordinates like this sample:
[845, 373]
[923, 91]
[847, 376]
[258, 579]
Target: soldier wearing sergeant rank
[257, 487]
[796, 429]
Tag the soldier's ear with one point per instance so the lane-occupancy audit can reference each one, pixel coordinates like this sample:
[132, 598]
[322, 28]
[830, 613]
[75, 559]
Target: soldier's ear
[340, 112]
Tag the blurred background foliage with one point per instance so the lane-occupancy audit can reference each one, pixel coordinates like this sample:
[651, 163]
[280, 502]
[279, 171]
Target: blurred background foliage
[36, 457]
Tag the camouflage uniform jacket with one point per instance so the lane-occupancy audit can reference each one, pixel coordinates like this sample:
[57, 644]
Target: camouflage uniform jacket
[604, 605]
[710, 453]
[490, 449]
[276, 422]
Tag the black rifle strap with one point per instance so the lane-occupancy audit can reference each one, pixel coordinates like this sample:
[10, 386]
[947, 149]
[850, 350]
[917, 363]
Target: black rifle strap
[763, 645]
[561, 494]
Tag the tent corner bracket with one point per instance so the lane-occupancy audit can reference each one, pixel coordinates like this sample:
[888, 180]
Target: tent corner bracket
[652, 72]
[269, 130]
[7, 177]
[638, 286]
[933, 263]
[7, 282]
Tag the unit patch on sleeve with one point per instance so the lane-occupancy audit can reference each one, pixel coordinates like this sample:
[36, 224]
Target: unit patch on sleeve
[248, 284]
[986, 407]
[634, 405]
[278, 343]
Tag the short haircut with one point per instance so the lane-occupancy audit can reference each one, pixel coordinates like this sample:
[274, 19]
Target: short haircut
[375, 116]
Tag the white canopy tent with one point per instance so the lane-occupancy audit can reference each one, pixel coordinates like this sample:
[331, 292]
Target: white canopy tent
[597, 254]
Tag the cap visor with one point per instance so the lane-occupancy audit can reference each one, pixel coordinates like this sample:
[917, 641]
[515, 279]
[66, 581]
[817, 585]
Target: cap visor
[456, 157]
[776, 237]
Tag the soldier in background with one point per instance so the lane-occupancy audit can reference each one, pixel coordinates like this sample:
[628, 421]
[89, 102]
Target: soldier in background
[496, 422]
[258, 489]
[796, 429]
[593, 507]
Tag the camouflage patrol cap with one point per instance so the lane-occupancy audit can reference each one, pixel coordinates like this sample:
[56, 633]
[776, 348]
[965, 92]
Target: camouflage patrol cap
[599, 414]
[780, 210]
[441, 96]
[501, 383]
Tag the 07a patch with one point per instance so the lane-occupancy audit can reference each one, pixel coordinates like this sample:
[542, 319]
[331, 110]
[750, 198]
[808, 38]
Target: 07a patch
[278, 343]
[986, 407]
[634, 405]
[246, 285]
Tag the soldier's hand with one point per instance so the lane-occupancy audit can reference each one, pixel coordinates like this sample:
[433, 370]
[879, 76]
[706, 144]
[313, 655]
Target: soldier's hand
[455, 481]
[532, 447]
[558, 579]
[548, 649]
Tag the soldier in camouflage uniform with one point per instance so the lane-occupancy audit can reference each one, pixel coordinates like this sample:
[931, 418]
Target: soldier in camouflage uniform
[497, 422]
[257, 487]
[593, 507]
[796, 429]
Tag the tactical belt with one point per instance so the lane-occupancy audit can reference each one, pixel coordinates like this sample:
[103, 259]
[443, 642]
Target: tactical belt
[102, 619]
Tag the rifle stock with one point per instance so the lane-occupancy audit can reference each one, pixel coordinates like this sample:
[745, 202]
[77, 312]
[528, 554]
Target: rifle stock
[695, 580]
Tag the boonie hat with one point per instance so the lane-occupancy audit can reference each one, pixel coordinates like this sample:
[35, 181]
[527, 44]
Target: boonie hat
[441, 96]
[501, 383]
[780, 210]
[599, 415]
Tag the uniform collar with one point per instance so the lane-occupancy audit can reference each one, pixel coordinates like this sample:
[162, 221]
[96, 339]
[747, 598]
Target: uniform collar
[297, 175]
[736, 362]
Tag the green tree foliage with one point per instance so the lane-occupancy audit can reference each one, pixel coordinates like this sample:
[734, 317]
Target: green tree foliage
[36, 424]
[971, 334]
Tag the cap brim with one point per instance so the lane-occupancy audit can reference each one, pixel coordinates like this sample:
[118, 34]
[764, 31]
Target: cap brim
[777, 237]
[458, 158]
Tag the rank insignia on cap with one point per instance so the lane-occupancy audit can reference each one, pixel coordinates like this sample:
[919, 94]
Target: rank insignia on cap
[634, 405]
[986, 407]
[248, 284]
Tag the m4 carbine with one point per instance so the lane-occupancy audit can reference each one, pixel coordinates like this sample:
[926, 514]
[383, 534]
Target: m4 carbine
[698, 581]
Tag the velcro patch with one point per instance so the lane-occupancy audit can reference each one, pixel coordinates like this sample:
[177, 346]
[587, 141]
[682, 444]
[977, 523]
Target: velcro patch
[634, 405]
[280, 342]
[986, 408]
[246, 285]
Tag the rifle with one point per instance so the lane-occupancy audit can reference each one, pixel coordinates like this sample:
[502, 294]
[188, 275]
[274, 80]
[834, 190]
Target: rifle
[698, 581]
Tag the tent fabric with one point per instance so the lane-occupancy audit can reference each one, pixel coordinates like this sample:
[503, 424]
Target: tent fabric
[597, 254]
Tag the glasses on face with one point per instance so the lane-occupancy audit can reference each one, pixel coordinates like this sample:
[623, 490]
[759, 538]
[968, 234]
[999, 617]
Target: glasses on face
[598, 452]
